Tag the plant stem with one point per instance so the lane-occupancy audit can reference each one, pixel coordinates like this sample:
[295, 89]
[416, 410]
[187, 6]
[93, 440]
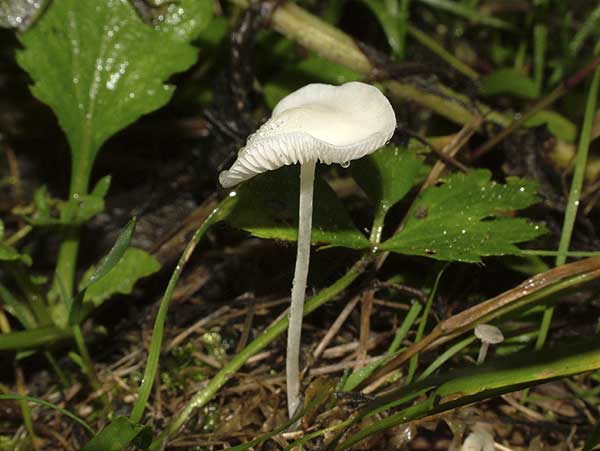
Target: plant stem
[66, 264]
[574, 195]
[557, 93]
[292, 368]
[482, 352]
[88, 365]
[414, 361]
[256, 345]
[85, 356]
[218, 214]
[25, 409]
[377, 227]
[441, 52]
[64, 382]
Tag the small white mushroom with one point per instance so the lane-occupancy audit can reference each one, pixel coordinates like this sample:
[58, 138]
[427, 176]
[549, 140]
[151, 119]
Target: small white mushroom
[330, 124]
[479, 440]
[488, 335]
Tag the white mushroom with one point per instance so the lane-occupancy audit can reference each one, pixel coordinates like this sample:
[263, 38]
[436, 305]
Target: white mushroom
[488, 335]
[330, 124]
[479, 440]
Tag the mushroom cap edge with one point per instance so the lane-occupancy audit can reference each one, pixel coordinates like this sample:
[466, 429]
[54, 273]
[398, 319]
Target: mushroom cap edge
[489, 334]
[326, 123]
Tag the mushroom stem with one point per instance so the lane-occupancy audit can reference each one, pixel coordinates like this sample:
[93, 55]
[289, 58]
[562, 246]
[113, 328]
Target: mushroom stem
[307, 177]
[482, 352]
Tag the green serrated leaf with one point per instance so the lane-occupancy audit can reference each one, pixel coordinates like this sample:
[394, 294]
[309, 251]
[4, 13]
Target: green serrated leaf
[119, 434]
[268, 208]
[184, 20]
[464, 219]
[99, 68]
[387, 175]
[133, 266]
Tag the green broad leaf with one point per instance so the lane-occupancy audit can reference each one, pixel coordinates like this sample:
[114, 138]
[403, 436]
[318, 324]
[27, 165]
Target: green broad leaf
[558, 125]
[509, 81]
[214, 34]
[465, 219]
[386, 176]
[99, 68]
[133, 266]
[268, 208]
[119, 435]
[185, 20]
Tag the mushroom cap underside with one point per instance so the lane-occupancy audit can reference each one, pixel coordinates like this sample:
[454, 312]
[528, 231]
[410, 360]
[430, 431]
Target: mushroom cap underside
[330, 124]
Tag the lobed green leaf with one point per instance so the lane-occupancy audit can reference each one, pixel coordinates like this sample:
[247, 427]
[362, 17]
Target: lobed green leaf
[466, 218]
[268, 208]
[134, 265]
[386, 176]
[99, 67]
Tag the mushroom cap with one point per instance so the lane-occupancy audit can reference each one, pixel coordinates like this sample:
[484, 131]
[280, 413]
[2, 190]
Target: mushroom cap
[479, 440]
[319, 122]
[489, 334]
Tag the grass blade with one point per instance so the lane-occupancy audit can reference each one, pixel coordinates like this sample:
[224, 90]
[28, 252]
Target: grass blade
[462, 387]
[574, 195]
[49, 405]
[220, 212]
[33, 338]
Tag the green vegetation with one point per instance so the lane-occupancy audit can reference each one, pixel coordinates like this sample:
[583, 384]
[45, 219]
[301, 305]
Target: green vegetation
[483, 208]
